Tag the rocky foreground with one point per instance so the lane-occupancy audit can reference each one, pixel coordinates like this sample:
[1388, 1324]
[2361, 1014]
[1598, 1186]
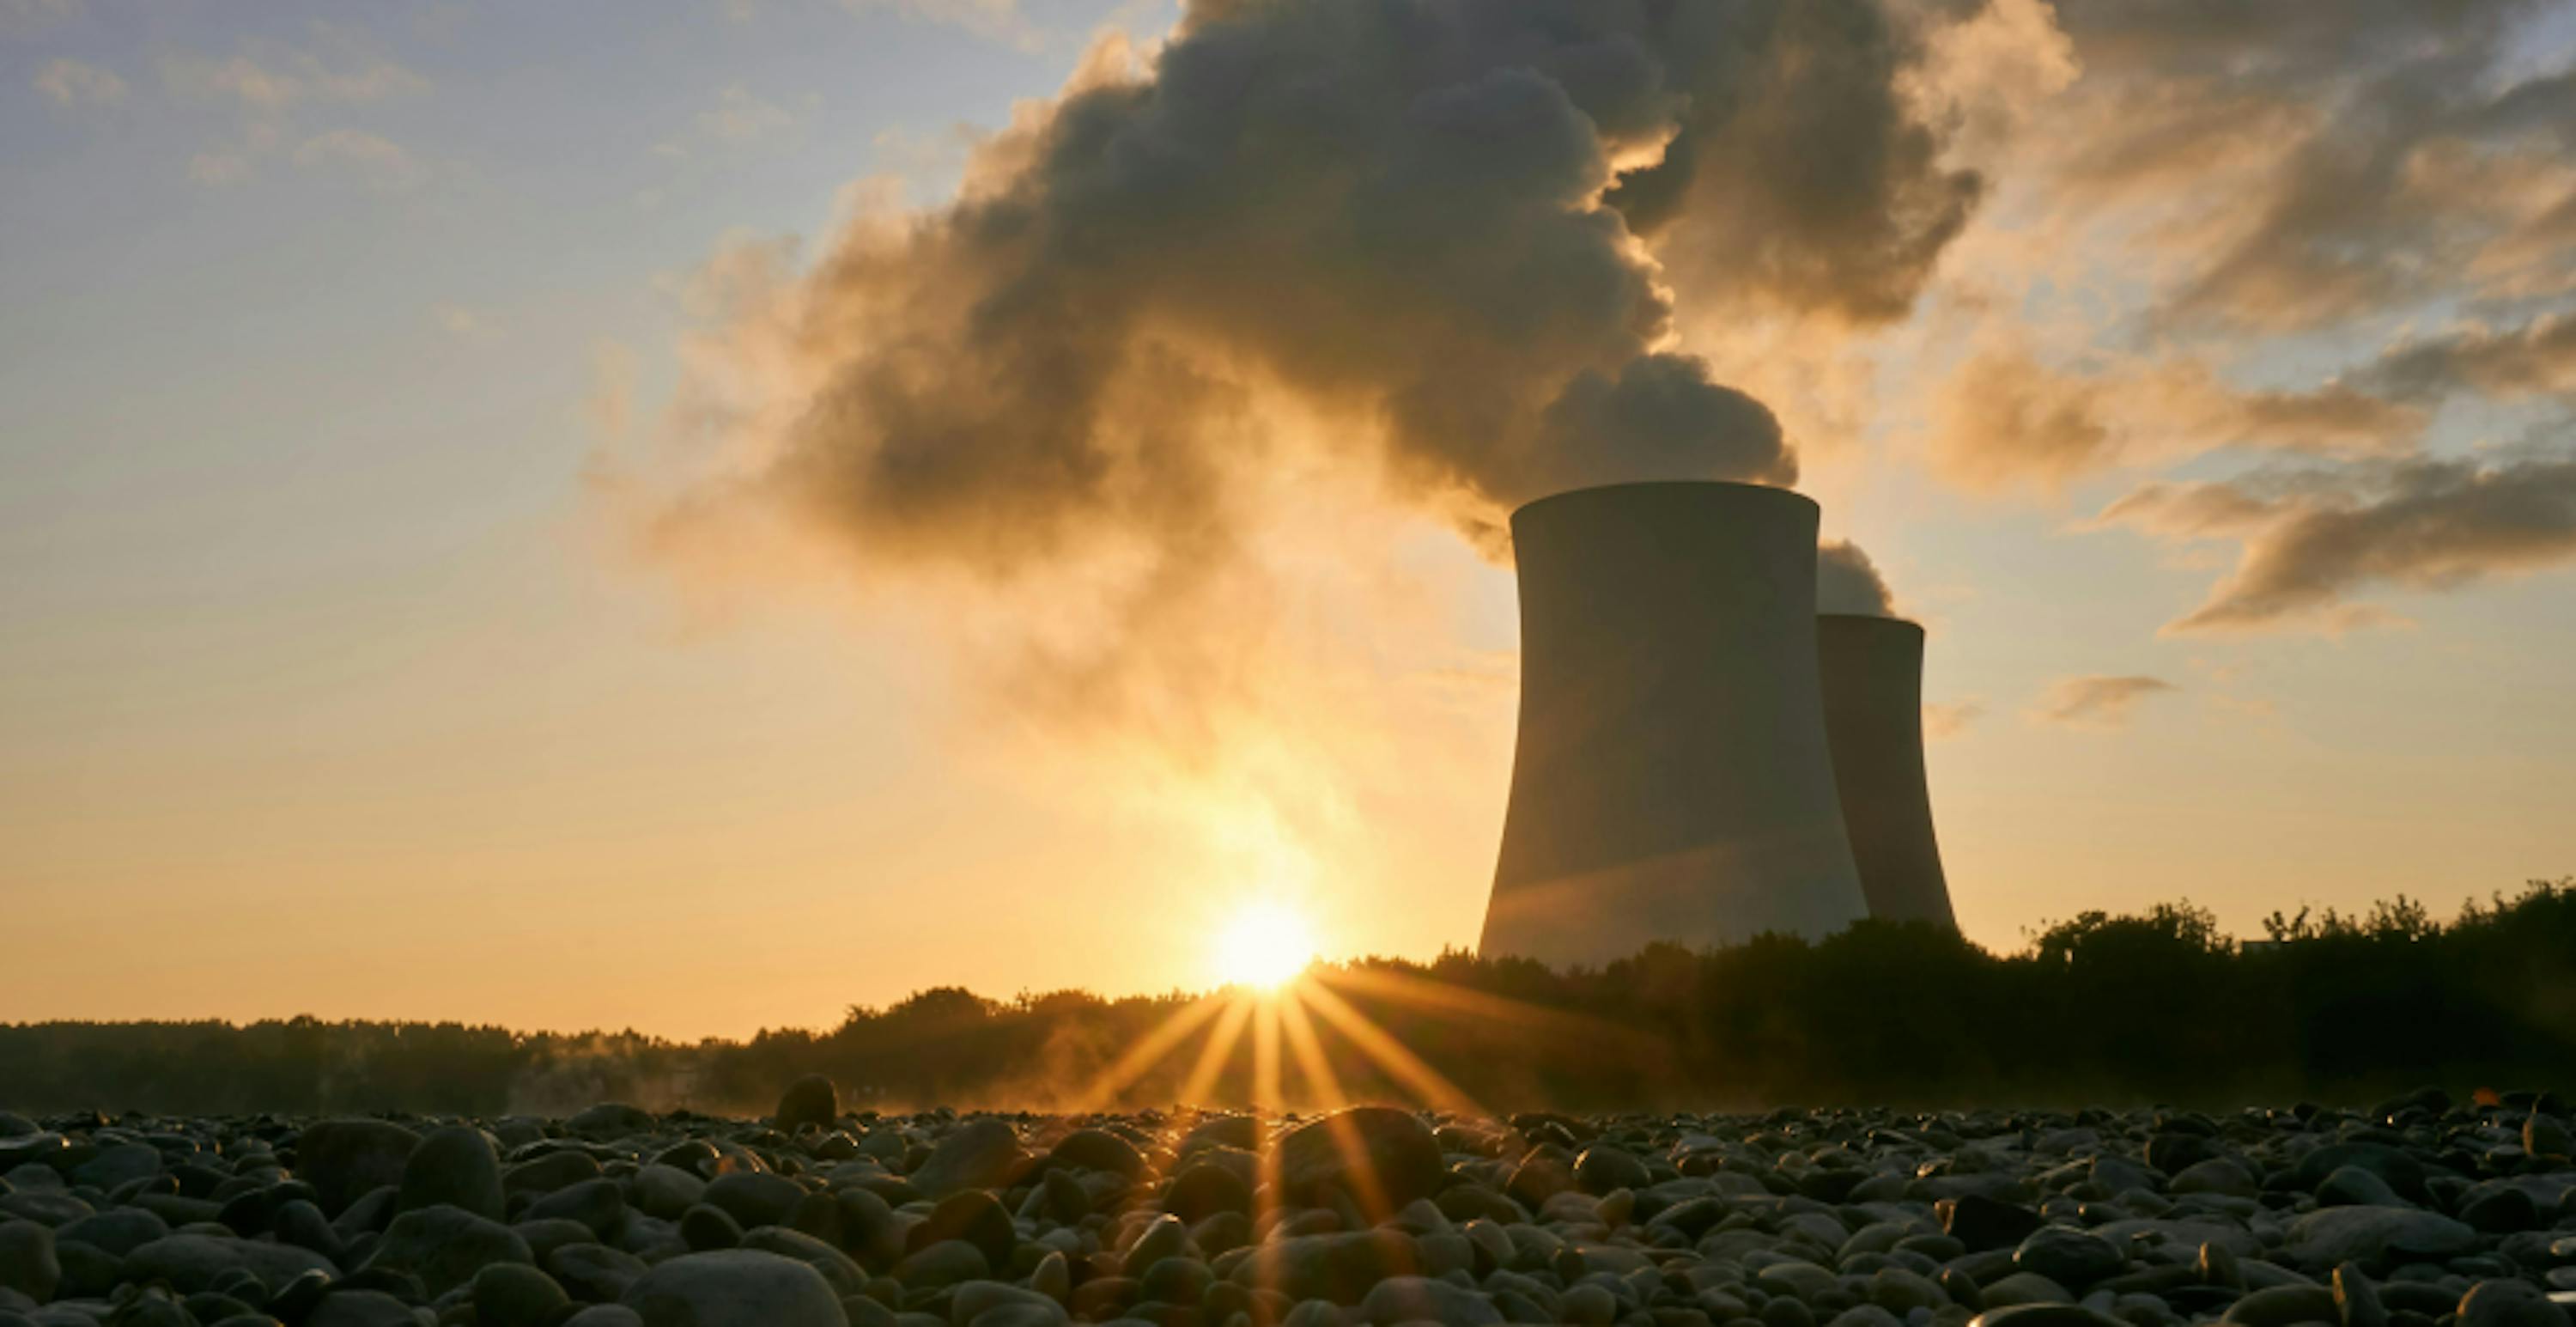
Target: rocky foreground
[2417, 1213]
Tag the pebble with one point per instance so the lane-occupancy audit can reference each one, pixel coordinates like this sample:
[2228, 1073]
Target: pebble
[810, 1101]
[734, 1288]
[2423, 1214]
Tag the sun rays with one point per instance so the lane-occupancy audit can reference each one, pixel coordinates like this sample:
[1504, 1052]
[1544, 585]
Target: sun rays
[1309, 1040]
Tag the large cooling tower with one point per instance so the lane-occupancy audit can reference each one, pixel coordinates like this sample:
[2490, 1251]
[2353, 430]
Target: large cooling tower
[1873, 674]
[1672, 780]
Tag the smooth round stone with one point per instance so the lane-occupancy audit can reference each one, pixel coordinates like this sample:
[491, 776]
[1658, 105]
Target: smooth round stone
[2045, 1315]
[360, 1308]
[1981, 1222]
[810, 1100]
[604, 1315]
[2352, 1186]
[1601, 1168]
[508, 1295]
[977, 1154]
[2357, 1302]
[705, 1228]
[544, 1237]
[1393, 1148]
[610, 1119]
[665, 1191]
[974, 1216]
[598, 1204]
[343, 1159]
[2281, 1306]
[1053, 1277]
[27, 1262]
[835, 1266]
[752, 1198]
[734, 1288]
[2370, 1235]
[2501, 1212]
[445, 1246]
[2545, 1137]
[550, 1172]
[974, 1299]
[594, 1272]
[1163, 1237]
[1098, 1149]
[191, 1262]
[945, 1263]
[2218, 1175]
[118, 1164]
[2025, 1288]
[1422, 1299]
[2069, 1257]
[2509, 1304]
[455, 1166]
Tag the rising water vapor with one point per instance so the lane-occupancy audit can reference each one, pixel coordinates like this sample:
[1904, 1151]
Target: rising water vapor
[1446, 236]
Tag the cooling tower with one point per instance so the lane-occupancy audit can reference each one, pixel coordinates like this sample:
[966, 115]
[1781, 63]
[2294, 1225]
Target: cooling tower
[1873, 675]
[1672, 780]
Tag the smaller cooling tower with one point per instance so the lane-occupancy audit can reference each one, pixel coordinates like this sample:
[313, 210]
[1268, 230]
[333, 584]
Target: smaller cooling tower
[1873, 683]
[1672, 780]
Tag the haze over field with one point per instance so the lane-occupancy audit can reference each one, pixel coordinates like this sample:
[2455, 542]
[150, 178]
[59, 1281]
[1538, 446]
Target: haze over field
[693, 516]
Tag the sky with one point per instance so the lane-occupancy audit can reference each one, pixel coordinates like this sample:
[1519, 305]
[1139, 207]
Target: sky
[694, 516]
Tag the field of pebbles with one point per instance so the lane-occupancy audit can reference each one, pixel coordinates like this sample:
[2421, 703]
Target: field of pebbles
[2420, 1212]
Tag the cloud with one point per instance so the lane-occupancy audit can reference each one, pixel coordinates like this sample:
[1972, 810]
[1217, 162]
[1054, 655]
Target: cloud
[2329, 147]
[2103, 703]
[1950, 720]
[2312, 539]
[614, 368]
[219, 168]
[2537, 358]
[1432, 249]
[74, 85]
[1848, 582]
[463, 323]
[2004, 419]
[737, 120]
[22, 18]
[266, 77]
[999, 20]
[380, 162]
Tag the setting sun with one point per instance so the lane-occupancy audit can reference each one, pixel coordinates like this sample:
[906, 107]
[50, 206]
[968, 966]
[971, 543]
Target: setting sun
[1264, 945]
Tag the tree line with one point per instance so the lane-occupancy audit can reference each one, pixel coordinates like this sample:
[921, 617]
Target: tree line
[2151, 1007]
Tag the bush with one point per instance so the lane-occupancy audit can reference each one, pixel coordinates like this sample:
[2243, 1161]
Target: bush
[2100, 1008]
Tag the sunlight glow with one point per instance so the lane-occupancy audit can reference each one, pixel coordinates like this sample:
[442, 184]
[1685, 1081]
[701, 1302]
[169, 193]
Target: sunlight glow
[1263, 946]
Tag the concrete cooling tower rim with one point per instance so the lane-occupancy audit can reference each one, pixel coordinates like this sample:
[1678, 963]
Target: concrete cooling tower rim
[1613, 493]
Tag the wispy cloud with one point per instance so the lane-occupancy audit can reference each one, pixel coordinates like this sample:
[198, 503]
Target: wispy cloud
[2313, 538]
[739, 119]
[463, 323]
[2100, 703]
[380, 162]
[269, 77]
[23, 18]
[1000, 20]
[76, 86]
[1952, 719]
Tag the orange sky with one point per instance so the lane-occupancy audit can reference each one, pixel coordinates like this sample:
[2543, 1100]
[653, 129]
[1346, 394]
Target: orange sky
[344, 672]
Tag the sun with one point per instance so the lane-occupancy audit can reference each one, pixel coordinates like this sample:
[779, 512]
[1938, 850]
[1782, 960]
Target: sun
[1264, 945]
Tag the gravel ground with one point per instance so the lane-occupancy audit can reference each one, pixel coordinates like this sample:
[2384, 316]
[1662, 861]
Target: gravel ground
[2420, 1212]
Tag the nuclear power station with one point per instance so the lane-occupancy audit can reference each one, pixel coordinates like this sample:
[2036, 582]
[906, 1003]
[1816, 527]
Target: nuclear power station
[1684, 731]
[1873, 683]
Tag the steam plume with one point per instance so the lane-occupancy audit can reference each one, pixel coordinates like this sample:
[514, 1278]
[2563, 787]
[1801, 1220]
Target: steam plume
[1437, 230]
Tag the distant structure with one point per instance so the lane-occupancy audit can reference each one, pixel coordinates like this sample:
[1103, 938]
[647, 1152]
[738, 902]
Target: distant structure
[1673, 779]
[1873, 687]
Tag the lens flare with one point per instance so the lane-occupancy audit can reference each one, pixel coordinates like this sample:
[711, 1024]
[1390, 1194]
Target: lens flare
[1263, 946]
